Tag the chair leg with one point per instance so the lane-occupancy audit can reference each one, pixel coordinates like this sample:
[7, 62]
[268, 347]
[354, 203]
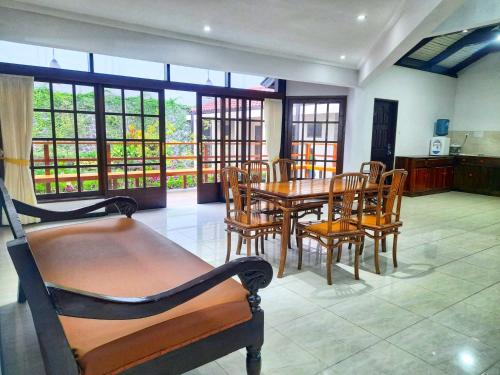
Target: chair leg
[356, 260]
[240, 241]
[228, 254]
[254, 361]
[318, 214]
[256, 244]
[384, 245]
[299, 247]
[350, 246]
[339, 253]
[362, 247]
[377, 265]
[394, 250]
[274, 219]
[329, 264]
[249, 247]
[262, 244]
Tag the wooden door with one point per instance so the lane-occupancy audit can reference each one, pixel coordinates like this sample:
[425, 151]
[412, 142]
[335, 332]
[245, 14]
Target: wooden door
[385, 115]
[134, 141]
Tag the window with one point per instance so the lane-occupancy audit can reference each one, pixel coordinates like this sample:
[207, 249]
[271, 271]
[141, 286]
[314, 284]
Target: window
[316, 129]
[17, 53]
[247, 81]
[128, 67]
[64, 151]
[196, 75]
[257, 145]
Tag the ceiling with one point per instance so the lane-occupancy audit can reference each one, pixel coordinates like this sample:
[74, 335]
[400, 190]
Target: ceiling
[313, 30]
[450, 53]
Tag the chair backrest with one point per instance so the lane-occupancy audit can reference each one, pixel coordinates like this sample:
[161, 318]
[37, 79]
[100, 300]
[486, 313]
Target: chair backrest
[353, 187]
[233, 179]
[390, 194]
[287, 169]
[258, 170]
[373, 169]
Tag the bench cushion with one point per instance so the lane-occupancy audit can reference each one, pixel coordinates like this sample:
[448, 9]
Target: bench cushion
[123, 257]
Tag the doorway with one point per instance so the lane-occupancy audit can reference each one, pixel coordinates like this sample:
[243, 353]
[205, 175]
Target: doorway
[385, 117]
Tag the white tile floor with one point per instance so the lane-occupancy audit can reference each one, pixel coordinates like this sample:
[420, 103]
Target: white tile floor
[438, 312]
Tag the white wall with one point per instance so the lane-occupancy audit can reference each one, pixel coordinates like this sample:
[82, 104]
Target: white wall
[423, 97]
[295, 88]
[477, 103]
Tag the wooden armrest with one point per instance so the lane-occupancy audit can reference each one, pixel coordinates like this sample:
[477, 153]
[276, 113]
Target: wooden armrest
[125, 205]
[254, 273]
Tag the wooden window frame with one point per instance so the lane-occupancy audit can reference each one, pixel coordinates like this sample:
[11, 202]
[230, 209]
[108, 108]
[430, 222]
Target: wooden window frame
[288, 133]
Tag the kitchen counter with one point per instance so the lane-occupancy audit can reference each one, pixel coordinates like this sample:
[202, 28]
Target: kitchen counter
[469, 173]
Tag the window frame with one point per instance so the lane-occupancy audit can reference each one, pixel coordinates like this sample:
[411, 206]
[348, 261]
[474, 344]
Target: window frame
[288, 134]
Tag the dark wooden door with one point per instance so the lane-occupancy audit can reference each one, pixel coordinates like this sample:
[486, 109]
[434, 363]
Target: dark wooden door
[385, 116]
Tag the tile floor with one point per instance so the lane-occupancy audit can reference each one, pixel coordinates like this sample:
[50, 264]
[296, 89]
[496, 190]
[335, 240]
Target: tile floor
[437, 313]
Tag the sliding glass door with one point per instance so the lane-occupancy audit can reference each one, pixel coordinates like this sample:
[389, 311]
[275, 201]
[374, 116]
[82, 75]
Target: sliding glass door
[229, 132]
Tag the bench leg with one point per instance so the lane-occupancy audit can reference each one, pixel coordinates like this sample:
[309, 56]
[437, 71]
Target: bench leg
[21, 297]
[254, 361]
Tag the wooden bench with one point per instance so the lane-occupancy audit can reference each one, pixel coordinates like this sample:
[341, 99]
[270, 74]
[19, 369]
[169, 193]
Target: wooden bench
[112, 296]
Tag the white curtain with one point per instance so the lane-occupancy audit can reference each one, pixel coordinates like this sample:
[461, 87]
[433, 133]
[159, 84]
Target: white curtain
[273, 113]
[16, 122]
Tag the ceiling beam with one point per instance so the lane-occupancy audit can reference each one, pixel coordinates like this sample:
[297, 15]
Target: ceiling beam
[408, 62]
[476, 36]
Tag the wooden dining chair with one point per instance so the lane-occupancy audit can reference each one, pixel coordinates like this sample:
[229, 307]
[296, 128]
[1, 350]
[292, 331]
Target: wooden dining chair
[386, 219]
[258, 170]
[287, 169]
[244, 219]
[374, 170]
[334, 232]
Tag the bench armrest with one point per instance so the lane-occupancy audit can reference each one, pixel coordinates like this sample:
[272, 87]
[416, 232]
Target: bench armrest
[125, 205]
[254, 273]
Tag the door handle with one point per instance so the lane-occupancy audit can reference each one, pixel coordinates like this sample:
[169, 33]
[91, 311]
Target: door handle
[389, 149]
[199, 149]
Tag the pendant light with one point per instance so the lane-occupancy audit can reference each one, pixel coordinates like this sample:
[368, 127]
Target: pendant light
[53, 63]
[209, 81]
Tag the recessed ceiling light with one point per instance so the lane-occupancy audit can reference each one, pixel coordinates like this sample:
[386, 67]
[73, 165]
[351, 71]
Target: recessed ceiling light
[207, 28]
[362, 17]
[342, 57]
[465, 30]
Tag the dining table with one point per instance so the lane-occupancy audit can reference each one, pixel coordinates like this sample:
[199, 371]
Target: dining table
[287, 194]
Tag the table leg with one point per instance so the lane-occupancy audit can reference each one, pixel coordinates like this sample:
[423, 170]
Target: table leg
[285, 233]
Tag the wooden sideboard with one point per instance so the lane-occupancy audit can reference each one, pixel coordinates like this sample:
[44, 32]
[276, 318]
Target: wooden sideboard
[434, 174]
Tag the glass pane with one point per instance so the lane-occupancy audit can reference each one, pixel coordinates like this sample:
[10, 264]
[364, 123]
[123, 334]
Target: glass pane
[133, 127]
[153, 176]
[113, 100]
[255, 110]
[331, 151]
[45, 181]
[85, 98]
[152, 151]
[333, 132]
[132, 101]
[65, 125]
[115, 153]
[135, 177]
[152, 128]
[41, 95]
[42, 125]
[116, 178]
[87, 151]
[309, 109]
[320, 132]
[63, 96]
[151, 104]
[247, 81]
[321, 110]
[66, 153]
[43, 153]
[128, 67]
[86, 125]
[17, 53]
[331, 169]
[114, 126]
[333, 111]
[89, 179]
[68, 180]
[197, 75]
[208, 173]
[297, 112]
[134, 152]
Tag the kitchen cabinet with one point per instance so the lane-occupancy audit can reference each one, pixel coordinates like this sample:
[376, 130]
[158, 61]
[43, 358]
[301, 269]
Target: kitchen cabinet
[471, 174]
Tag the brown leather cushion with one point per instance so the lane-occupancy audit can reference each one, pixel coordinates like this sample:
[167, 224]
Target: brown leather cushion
[370, 221]
[122, 257]
[322, 228]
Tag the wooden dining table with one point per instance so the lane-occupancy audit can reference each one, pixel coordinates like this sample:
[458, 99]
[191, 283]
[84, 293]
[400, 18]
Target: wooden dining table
[287, 194]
